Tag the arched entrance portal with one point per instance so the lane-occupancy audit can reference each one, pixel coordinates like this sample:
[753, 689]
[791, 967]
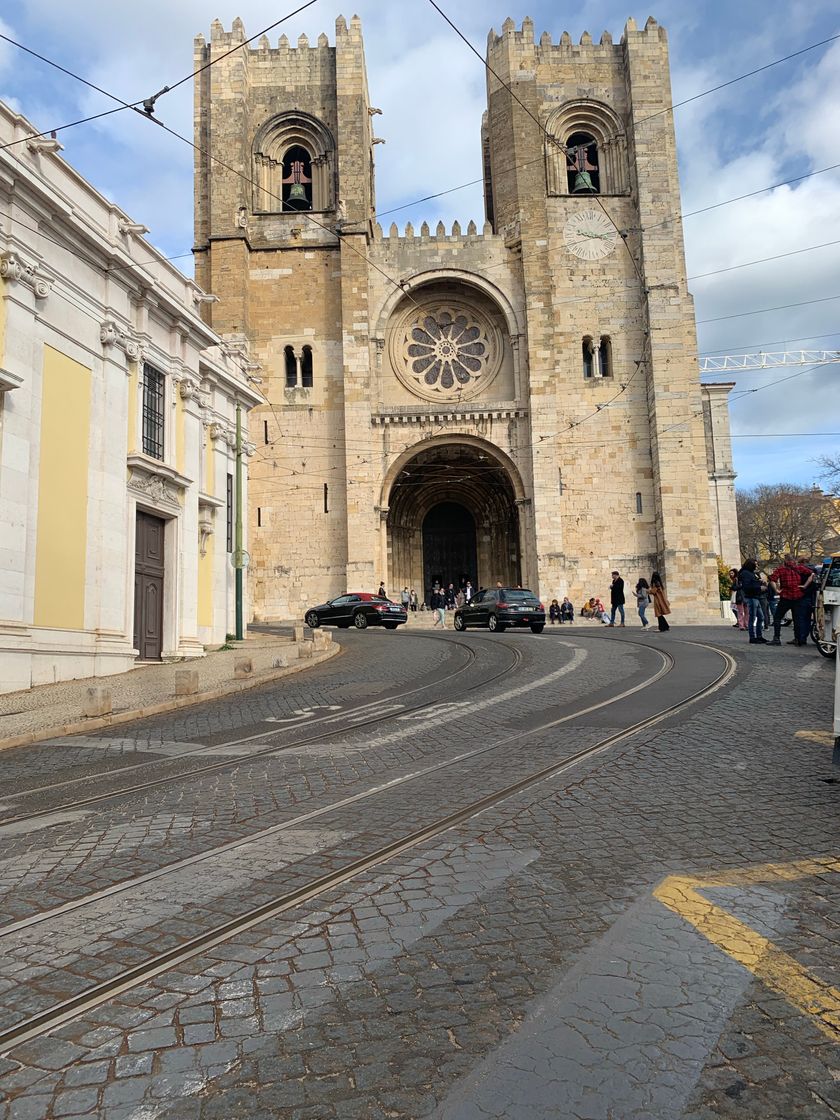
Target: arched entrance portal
[452, 516]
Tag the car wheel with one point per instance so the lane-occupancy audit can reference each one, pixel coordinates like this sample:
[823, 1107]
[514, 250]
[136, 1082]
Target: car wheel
[360, 620]
[312, 620]
[538, 629]
[827, 649]
[494, 625]
[459, 623]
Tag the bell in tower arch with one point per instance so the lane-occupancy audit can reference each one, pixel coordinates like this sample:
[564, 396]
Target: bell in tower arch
[582, 156]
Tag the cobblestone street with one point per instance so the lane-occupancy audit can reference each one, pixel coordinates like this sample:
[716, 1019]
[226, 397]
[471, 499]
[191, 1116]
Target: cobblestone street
[580, 875]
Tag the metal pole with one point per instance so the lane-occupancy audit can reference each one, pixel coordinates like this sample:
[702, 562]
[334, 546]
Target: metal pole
[238, 529]
[836, 728]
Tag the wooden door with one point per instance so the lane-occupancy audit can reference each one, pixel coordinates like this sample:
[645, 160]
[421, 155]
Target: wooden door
[148, 586]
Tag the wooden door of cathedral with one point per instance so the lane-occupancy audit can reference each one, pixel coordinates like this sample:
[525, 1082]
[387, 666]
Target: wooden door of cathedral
[148, 586]
[449, 547]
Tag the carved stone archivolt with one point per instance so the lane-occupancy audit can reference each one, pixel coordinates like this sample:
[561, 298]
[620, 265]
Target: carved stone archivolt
[13, 269]
[112, 334]
[445, 349]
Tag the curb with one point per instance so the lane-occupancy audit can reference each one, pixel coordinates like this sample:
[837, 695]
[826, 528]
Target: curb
[165, 706]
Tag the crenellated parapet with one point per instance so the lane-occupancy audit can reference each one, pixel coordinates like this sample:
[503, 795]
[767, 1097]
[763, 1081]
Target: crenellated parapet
[522, 41]
[440, 236]
[222, 41]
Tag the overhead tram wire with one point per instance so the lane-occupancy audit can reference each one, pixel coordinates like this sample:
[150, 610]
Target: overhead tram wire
[147, 103]
[617, 135]
[400, 285]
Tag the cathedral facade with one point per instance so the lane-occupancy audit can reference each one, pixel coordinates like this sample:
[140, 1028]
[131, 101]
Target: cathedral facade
[516, 401]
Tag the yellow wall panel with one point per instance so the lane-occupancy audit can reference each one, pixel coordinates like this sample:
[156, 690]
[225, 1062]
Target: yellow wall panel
[61, 549]
[205, 588]
[180, 424]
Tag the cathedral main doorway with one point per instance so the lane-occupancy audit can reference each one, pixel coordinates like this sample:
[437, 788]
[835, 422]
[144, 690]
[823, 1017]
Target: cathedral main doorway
[452, 517]
[449, 552]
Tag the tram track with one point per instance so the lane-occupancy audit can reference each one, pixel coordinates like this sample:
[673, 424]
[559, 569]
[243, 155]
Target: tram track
[319, 723]
[50, 1018]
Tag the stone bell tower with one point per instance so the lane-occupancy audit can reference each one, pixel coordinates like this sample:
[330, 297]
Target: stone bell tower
[612, 353]
[286, 155]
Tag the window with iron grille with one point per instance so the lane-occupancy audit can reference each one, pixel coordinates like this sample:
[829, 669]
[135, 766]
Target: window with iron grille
[229, 544]
[153, 412]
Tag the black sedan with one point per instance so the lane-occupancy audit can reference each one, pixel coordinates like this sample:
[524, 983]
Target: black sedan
[500, 608]
[357, 609]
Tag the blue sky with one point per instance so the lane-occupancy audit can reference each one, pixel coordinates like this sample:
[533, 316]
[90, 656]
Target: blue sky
[781, 123]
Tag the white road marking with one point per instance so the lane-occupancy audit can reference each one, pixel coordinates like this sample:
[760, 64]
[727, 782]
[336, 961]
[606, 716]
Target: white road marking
[809, 670]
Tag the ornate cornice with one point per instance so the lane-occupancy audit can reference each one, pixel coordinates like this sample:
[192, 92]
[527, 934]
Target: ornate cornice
[112, 334]
[447, 416]
[40, 144]
[13, 269]
[188, 388]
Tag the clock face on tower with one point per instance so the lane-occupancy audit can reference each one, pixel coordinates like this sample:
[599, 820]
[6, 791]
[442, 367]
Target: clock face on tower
[590, 235]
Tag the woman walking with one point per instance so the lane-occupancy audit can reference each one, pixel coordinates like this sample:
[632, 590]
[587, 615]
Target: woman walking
[643, 600]
[661, 606]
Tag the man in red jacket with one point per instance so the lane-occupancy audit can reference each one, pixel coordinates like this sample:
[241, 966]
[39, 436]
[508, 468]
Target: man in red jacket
[791, 580]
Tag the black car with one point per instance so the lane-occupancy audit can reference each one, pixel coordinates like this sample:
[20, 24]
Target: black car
[500, 608]
[357, 609]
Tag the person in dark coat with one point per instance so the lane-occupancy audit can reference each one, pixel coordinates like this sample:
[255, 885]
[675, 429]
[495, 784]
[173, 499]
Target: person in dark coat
[616, 598]
[752, 589]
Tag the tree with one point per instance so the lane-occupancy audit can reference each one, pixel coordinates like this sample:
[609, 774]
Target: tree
[830, 473]
[773, 520]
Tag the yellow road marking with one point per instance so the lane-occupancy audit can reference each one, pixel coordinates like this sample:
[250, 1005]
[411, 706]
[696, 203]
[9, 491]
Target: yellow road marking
[824, 738]
[773, 967]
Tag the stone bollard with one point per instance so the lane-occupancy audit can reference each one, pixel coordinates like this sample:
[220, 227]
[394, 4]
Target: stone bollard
[242, 667]
[298, 633]
[186, 682]
[97, 702]
[322, 639]
[305, 649]
[281, 662]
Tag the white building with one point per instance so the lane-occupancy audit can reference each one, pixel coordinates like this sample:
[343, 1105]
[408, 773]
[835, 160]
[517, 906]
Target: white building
[117, 434]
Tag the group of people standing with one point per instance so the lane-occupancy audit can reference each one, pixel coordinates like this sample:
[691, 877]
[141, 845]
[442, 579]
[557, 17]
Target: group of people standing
[646, 595]
[759, 599]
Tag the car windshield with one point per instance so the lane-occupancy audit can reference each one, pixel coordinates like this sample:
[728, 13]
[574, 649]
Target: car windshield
[516, 596]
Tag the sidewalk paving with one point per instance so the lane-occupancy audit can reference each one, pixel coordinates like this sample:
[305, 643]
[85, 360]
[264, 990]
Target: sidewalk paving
[40, 713]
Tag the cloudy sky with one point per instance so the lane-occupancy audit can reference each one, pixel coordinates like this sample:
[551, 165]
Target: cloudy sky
[777, 125]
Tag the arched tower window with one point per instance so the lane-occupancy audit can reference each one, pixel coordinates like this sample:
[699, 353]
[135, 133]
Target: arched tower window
[297, 179]
[588, 348]
[306, 367]
[585, 150]
[605, 356]
[291, 367]
[294, 165]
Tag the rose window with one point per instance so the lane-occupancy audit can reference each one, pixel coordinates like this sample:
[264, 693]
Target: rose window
[447, 350]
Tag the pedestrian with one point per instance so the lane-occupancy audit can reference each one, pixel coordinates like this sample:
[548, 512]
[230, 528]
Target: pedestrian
[642, 599]
[468, 591]
[554, 611]
[381, 592]
[405, 597]
[600, 612]
[811, 594]
[792, 580]
[751, 589]
[737, 600]
[661, 606]
[459, 598]
[449, 597]
[412, 599]
[767, 600]
[616, 598]
[567, 610]
[436, 602]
